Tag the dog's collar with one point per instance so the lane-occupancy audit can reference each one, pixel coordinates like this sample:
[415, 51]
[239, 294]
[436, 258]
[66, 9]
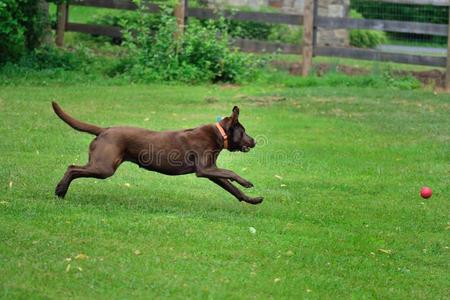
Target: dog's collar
[223, 134]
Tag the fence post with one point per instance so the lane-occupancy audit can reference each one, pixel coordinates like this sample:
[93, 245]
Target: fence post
[61, 24]
[447, 73]
[308, 36]
[181, 15]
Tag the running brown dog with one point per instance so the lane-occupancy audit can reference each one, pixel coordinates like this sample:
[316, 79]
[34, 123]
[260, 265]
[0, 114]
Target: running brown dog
[168, 152]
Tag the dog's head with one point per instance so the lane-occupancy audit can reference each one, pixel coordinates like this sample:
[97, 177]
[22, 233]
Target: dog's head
[238, 139]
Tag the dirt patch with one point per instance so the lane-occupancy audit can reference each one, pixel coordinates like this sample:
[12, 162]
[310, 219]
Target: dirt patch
[261, 100]
[431, 77]
[434, 77]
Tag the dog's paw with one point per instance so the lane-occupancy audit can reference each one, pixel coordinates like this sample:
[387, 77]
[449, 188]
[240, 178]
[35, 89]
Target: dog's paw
[60, 191]
[247, 184]
[255, 200]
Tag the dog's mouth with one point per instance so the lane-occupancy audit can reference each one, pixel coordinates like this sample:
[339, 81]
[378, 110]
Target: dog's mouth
[245, 149]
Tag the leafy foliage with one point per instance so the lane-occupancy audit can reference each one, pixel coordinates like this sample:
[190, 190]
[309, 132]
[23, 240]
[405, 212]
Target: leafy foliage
[21, 28]
[54, 58]
[201, 53]
[404, 12]
[367, 38]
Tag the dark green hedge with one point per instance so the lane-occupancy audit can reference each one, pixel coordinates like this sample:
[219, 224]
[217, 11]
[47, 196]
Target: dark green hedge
[21, 28]
[403, 12]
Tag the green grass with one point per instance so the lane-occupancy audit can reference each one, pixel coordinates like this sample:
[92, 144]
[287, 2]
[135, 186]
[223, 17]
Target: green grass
[351, 162]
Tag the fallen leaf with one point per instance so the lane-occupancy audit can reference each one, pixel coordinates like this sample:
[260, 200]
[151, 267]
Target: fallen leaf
[146, 119]
[127, 185]
[385, 251]
[68, 259]
[278, 177]
[137, 252]
[277, 280]
[68, 268]
[252, 230]
[283, 185]
[289, 253]
[81, 256]
[308, 291]
[80, 269]
[10, 184]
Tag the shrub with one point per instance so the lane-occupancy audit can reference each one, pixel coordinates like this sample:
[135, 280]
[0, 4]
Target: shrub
[404, 12]
[54, 58]
[366, 38]
[202, 53]
[21, 28]
[120, 18]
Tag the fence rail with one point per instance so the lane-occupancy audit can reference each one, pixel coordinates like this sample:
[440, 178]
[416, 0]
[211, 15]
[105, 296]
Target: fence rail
[384, 25]
[418, 2]
[206, 13]
[367, 54]
[310, 21]
[115, 4]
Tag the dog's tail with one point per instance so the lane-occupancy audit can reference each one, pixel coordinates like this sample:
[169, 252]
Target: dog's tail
[75, 124]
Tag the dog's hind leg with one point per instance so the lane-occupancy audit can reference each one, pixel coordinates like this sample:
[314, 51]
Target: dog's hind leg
[103, 163]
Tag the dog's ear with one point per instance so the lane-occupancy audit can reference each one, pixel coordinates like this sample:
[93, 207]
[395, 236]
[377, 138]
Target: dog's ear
[234, 115]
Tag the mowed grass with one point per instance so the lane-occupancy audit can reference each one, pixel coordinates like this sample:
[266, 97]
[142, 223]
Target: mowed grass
[340, 170]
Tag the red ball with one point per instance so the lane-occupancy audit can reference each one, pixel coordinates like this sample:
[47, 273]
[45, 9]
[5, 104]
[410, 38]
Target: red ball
[426, 192]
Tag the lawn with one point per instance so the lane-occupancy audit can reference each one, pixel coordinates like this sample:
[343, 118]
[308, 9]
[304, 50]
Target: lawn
[340, 170]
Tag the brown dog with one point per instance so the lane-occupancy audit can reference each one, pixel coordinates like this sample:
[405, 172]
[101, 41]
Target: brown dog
[168, 152]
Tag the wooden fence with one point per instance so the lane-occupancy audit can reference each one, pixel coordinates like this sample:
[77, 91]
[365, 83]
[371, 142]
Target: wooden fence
[310, 21]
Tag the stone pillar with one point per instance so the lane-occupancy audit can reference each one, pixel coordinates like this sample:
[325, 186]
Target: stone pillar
[333, 37]
[293, 6]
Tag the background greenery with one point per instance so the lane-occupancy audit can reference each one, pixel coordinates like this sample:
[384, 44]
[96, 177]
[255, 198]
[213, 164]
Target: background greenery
[405, 12]
[21, 23]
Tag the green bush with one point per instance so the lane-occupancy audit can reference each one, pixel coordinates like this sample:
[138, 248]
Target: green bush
[54, 58]
[404, 12]
[21, 28]
[154, 21]
[202, 53]
[261, 31]
[366, 38]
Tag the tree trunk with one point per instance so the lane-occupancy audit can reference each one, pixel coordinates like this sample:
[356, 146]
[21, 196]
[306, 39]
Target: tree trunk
[46, 39]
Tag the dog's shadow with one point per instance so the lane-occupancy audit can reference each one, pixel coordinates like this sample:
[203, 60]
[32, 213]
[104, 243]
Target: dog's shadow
[158, 202]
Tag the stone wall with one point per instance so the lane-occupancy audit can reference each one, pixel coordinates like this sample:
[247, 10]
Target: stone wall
[336, 9]
[330, 8]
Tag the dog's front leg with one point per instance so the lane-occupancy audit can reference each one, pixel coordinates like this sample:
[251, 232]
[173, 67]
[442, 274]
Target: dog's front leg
[214, 172]
[228, 186]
